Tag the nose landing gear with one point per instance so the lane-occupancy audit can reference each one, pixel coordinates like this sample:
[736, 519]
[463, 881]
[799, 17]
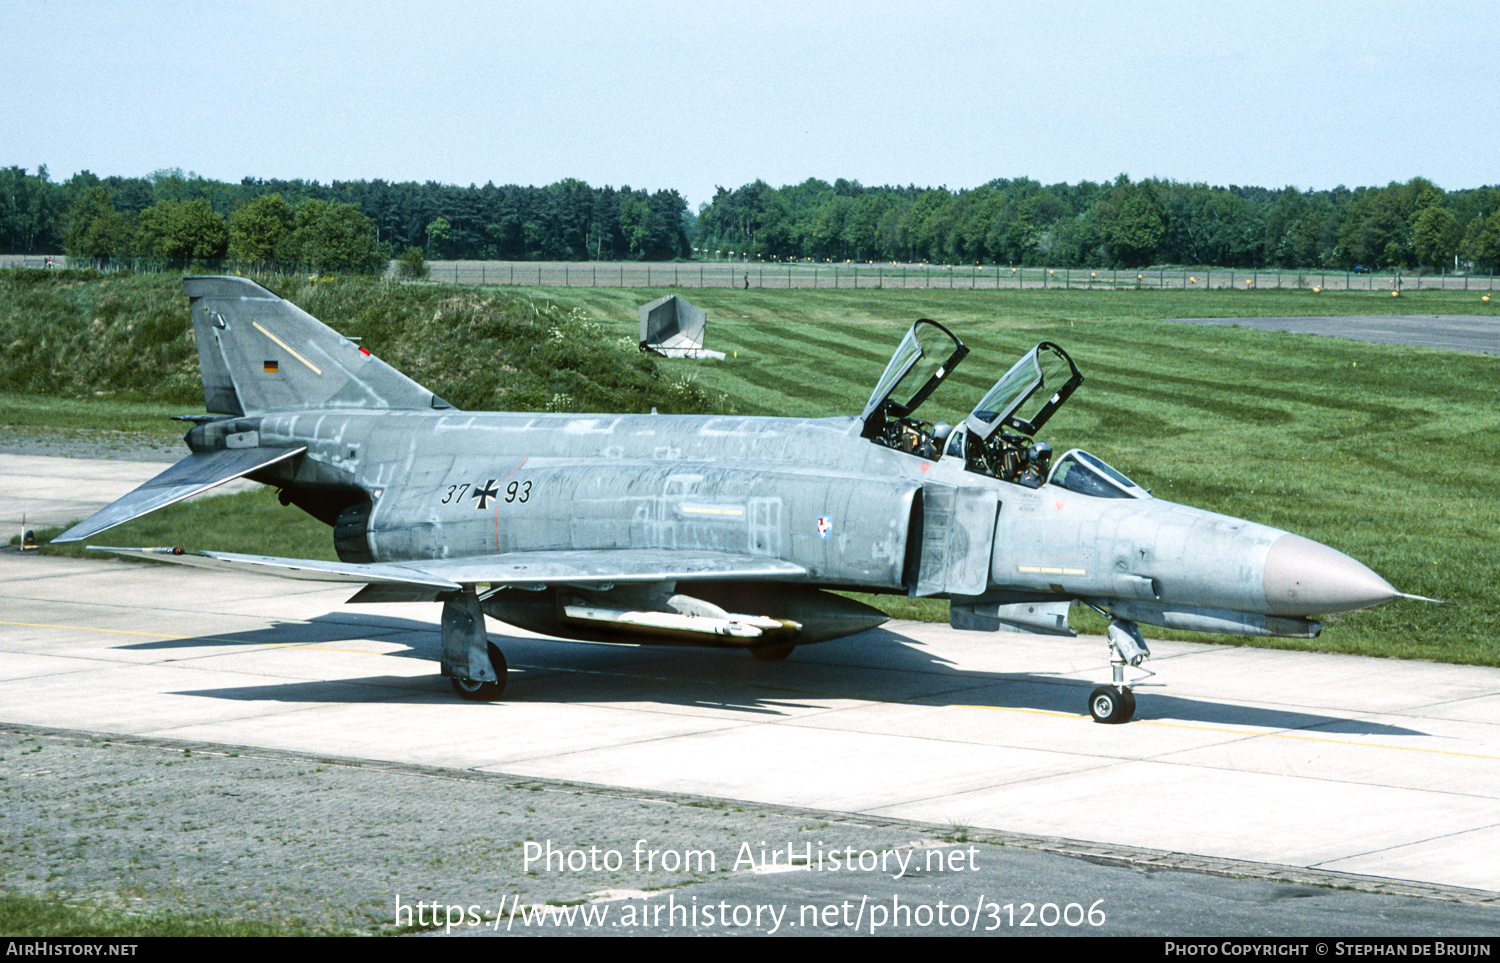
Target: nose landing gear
[1115, 703]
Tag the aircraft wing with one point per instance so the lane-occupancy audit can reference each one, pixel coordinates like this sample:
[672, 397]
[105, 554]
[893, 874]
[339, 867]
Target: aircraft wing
[425, 578]
[196, 473]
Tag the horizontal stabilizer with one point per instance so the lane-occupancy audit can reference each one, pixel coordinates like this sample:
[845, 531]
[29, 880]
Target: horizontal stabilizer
[196, 473]
[577, 567]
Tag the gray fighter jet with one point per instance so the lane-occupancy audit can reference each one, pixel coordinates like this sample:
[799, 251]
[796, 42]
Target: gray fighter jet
[714, 530]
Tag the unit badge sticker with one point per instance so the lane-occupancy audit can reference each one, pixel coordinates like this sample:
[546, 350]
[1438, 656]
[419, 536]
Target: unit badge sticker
[825, 526]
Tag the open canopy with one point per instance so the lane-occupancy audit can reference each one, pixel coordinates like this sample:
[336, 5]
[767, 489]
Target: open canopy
[927, 355]
[1023, 400]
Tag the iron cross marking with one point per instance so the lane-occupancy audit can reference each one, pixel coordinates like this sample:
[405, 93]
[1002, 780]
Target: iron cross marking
[483, 495]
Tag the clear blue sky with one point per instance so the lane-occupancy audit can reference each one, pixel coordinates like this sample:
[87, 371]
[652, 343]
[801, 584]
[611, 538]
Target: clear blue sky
[689, 95]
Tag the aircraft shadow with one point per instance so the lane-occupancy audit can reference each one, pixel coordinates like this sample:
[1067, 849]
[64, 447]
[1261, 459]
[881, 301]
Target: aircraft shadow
[878, 666]
[333, 627]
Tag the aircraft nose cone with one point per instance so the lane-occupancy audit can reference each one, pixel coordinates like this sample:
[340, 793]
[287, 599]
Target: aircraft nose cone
[1307, 578]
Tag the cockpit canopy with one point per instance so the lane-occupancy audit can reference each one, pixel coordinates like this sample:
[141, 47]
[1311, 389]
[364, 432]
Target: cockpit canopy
[997, 437]
[1023, 400]
[926, 356]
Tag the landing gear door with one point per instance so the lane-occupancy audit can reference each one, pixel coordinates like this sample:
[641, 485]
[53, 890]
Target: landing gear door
[958, 537]
[1023, 400]
[926, 356]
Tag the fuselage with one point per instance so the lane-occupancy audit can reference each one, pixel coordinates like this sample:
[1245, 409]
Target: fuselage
[854, 514]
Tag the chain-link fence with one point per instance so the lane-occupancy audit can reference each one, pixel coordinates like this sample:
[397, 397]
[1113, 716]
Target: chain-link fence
[915, 276]
[720, 274]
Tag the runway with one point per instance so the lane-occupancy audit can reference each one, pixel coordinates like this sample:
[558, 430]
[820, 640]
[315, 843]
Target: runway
[1474, 334]
[1375, 767]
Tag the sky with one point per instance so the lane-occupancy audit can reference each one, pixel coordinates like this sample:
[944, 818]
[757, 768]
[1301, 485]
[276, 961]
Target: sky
[695, 95]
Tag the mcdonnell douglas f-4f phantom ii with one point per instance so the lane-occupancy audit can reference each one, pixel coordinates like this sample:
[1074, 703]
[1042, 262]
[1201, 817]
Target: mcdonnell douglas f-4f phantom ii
[714, 530]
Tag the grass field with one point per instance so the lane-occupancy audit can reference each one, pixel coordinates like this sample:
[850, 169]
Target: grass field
[1383, 452]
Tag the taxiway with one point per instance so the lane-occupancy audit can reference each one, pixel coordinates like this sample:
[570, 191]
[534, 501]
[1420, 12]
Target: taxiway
[1337, 764]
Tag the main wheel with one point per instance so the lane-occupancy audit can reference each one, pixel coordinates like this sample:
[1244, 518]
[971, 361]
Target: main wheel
[772, 653]
[475, 690]
[1112, 705]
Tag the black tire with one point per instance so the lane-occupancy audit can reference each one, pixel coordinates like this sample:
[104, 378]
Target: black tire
[1112, 705]
[772, 653]
[476, 691]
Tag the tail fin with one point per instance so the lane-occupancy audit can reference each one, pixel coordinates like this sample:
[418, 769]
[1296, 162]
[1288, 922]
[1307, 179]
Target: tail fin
[260, 353]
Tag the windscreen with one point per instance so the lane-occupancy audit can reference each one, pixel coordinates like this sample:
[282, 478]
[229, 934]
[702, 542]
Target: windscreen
[1080, 472]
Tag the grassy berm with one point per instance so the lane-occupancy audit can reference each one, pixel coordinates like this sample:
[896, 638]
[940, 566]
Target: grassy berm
[128, 338]
[1384, 452]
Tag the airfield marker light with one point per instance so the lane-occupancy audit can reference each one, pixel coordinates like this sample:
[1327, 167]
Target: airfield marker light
[1316, 289]
[1485, 298]
[1395, 294]
[1093, 274]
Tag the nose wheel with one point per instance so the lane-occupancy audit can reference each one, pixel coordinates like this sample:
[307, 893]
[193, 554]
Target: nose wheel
[1111, 704]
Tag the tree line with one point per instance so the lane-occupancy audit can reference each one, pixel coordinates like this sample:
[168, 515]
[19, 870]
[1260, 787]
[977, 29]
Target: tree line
[362, 224]
[1414, 225]
[345, 225]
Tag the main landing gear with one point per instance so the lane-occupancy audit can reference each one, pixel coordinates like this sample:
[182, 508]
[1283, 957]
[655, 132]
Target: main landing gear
[1115, 703]
[473, 664]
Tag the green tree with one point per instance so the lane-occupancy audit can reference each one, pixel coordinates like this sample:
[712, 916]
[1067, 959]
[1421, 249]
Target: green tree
[333, 237]
[1436, 236]
[31, 209]
[635, 221]
[438, 231]
[257, 229]
[1132, 222]
[95, 229]
[181, 231]
[1482, 242]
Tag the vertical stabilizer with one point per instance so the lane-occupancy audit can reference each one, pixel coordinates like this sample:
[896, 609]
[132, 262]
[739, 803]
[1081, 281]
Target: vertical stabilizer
[260, 353]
